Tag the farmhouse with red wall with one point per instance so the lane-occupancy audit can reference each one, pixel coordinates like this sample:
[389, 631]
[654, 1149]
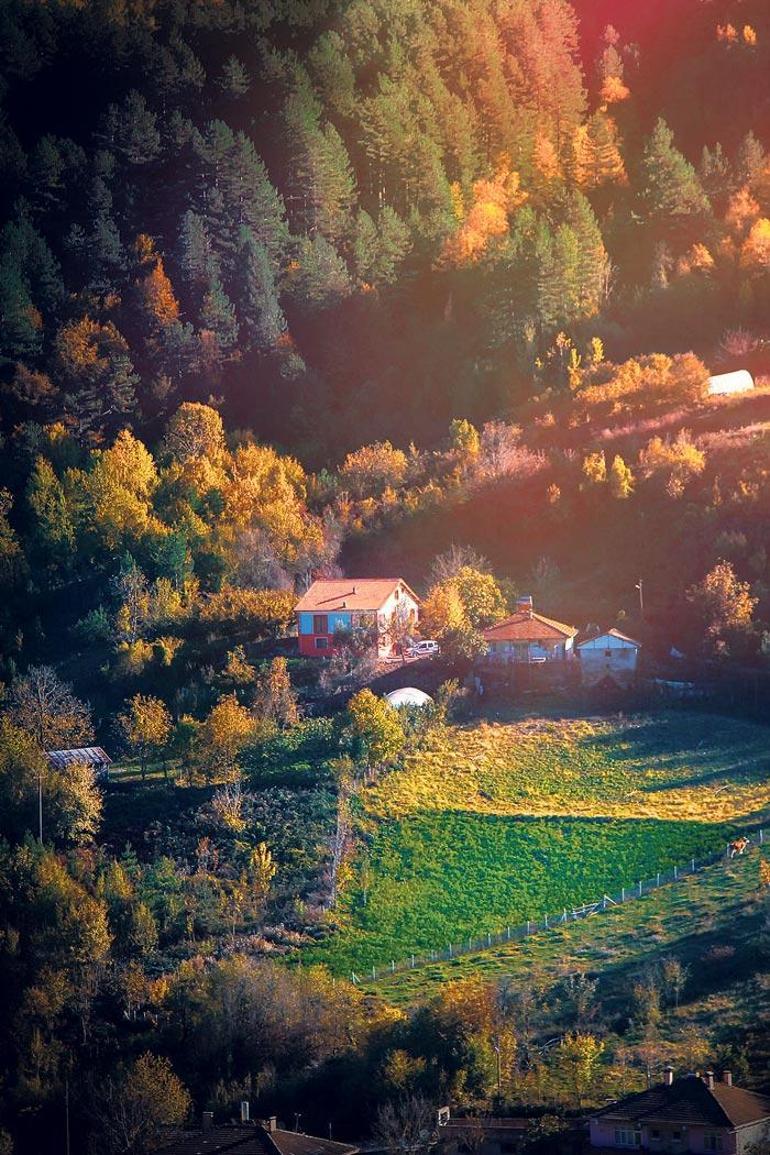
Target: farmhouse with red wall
[385, 606]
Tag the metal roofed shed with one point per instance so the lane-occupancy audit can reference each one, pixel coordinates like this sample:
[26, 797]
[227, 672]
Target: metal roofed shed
[408, 696]
[723, 384]
[93, 756]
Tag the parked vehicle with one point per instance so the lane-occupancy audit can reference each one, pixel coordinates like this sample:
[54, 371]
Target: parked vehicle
[423, 649]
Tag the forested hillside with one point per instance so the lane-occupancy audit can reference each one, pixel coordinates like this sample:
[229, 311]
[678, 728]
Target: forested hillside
[360, 220]
[292, 288]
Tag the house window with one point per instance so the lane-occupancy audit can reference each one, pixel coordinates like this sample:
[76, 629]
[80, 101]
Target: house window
[627, 1137]
[322, 643]
[320, 624]
[655, 1135]
[712, 1142]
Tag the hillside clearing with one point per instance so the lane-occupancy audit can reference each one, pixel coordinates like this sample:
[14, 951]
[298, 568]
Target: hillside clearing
[686, 920]
[502, 821]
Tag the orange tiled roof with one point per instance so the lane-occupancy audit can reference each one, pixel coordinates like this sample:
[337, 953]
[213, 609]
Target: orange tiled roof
[527, 626]
[362, 594]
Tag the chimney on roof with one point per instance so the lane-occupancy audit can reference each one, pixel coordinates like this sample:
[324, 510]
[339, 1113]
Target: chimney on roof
[710, 1080]
[207, 1120]
[727, 1078]
[245, 1111]
[668, 1075]
[272, 1123]
[355, 591]
[344, 604]
[524, 604]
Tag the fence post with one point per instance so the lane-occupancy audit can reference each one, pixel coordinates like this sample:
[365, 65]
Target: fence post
[374, 973]
[640, 888]
[509, 933]
[658, 879]
[622, 894]
[527, 926]
[392, 966]
[761, 836]
[676, 873]
[693, 866]
[450, 950]
[489, 939]
[546, 922]
[604, 902]
[413, 961]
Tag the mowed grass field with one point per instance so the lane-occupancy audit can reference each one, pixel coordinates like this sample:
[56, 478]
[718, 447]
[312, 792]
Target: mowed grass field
[503, 820]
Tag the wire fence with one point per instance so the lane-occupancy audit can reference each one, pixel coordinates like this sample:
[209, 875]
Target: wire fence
[547, 922]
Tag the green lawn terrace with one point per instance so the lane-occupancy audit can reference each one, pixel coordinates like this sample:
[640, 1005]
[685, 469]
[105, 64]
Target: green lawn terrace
[709, 921]
[504, 819]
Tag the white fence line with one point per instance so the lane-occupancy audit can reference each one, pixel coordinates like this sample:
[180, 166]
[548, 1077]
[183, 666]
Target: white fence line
[637, 890]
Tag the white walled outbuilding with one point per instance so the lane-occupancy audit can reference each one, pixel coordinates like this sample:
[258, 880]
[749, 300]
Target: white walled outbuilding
[722, 384]
[609, 655]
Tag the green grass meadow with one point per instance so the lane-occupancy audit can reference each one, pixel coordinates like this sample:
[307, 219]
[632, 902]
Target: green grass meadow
[444, 878]
[505, 819]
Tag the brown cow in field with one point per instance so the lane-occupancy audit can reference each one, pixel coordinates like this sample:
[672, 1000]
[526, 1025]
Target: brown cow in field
[739, 846]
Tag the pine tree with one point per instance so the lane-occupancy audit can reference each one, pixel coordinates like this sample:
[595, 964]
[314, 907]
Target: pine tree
[322, 277]
[715, 174]
[132, 129]
[195, 255]
[260, 309]
[98, 375]
[379, 248]
[558, 287]
[54, 531]
[21, 325]
[235, 79]
[217, 315]
[671, 189]
[593, 261]
[597, 159]
[322, 180]
[749, 161]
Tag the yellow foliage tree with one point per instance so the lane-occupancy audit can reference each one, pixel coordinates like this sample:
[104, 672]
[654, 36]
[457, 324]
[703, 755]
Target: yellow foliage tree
[157, 296]
[595, 468]
[755, 254]
[146, 726]
[442, 611]
[677, 461]
[742, 211]
[227, 729]
[614, 90]
[487, 218]
[195, 431]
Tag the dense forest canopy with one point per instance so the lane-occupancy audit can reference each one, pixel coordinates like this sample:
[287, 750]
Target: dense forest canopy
[290, 288]
[200, 198]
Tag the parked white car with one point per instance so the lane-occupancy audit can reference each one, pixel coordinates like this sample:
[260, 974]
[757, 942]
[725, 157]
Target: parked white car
[423, 649]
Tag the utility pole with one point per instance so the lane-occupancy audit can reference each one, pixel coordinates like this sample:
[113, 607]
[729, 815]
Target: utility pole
[40, 806]
[640, 587]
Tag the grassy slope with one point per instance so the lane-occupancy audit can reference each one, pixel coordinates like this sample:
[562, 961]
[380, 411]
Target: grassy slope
[687, 920]
[501, 821]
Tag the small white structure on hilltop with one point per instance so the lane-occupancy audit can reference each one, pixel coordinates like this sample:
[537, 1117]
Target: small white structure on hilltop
[408, 696]
[740, 381]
